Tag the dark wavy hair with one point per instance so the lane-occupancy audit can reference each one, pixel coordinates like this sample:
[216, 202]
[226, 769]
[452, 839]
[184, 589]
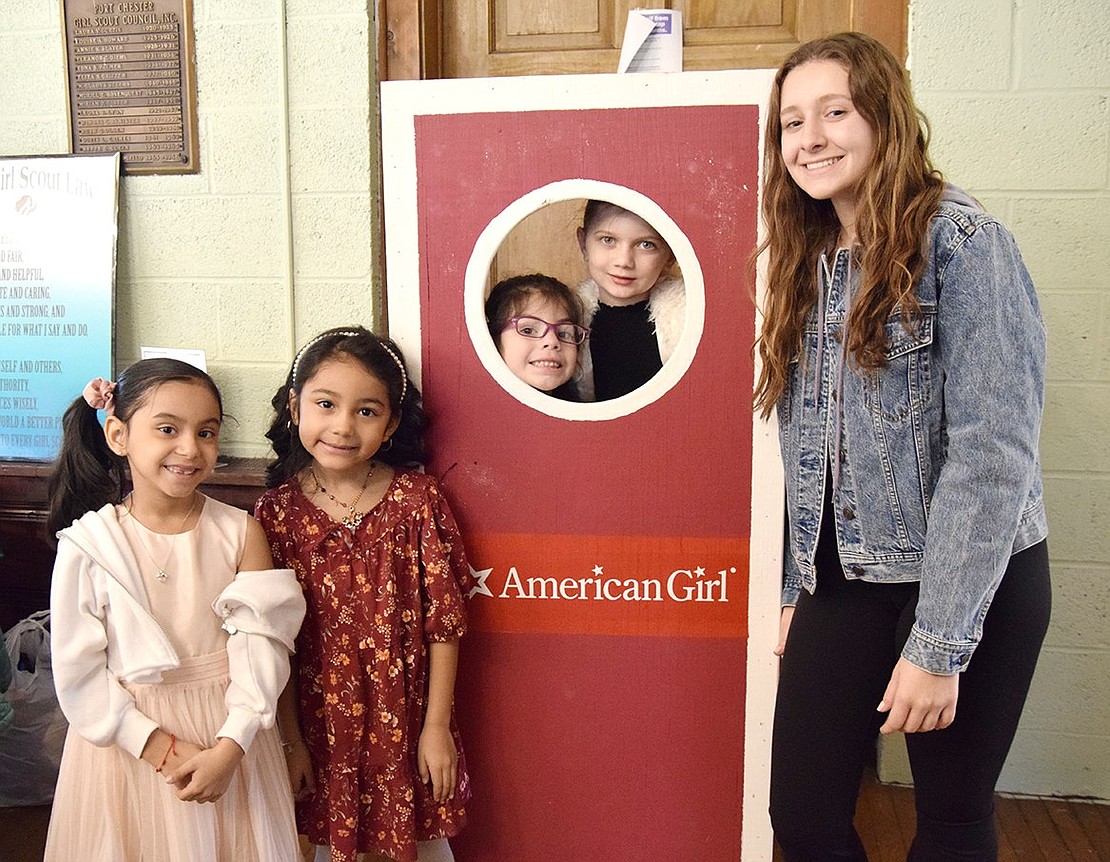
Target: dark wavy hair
[898, 197]
[87, 474]
[510, 295]
[380, 357]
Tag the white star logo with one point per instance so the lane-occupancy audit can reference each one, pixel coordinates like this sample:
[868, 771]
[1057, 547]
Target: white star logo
[599, 571]
[700, 571]
[480, 588]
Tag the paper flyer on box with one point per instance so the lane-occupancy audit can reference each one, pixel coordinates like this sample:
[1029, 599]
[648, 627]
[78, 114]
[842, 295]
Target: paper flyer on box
[652, 41]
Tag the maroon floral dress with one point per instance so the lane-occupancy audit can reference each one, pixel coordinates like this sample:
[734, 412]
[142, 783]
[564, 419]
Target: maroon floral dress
[376, 596]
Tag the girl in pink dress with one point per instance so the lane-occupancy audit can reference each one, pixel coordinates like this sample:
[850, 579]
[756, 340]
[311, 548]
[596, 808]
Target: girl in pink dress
[170, 637]
[374, 755]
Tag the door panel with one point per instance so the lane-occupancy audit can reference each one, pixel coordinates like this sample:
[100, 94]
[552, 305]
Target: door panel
[480, 38]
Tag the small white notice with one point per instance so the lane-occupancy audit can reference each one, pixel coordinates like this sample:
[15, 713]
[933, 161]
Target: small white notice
[194, 356]
[652, 41]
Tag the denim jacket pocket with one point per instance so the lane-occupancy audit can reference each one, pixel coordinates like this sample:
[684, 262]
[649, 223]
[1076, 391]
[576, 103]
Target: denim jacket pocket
[786, 406]
[897, 390]
[790, 405]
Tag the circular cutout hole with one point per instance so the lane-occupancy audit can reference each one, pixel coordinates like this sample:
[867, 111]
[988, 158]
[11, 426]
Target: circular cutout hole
[566, 199]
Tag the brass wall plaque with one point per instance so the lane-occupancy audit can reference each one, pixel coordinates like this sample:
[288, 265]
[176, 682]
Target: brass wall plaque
[132, 86]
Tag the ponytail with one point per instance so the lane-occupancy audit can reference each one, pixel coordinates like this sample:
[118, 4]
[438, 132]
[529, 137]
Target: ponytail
[86, 475]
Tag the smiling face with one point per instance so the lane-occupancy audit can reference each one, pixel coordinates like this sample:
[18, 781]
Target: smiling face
[171, 440]
[624, 255]
[827, 145]
[342, 416]
[543, 363]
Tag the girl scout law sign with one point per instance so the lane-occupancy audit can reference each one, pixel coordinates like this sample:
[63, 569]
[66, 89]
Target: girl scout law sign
[57, 276]
[615, 686]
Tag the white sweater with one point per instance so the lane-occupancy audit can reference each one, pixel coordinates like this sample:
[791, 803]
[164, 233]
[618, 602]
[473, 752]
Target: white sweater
[102, 633]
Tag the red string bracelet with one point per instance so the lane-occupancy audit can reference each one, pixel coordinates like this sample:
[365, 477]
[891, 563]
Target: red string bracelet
[171, 750]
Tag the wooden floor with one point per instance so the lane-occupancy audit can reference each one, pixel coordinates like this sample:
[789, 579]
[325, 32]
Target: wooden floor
[1030, 830]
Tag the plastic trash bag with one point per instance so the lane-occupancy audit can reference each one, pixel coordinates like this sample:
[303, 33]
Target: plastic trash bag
[31, 747]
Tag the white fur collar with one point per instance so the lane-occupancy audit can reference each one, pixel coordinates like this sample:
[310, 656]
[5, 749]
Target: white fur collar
[666, 309]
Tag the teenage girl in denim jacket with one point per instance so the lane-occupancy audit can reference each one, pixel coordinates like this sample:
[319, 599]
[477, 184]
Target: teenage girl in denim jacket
[904, 351]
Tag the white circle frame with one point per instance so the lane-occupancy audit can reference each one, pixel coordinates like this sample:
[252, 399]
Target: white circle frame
[477, 281]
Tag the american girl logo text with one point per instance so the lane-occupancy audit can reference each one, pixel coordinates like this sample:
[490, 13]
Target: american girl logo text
[550, 583]
[682, 585]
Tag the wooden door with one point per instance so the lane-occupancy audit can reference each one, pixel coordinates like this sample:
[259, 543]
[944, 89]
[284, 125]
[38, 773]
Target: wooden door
[486, 38]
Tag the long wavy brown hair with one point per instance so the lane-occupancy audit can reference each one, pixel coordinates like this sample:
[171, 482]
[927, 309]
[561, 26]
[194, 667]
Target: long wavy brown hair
[897, 197]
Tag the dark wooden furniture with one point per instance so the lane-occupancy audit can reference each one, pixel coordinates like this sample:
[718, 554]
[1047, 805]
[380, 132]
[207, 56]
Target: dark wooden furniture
[27, 558]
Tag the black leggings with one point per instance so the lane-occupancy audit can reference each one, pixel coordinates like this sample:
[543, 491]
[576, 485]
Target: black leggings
[843, 643]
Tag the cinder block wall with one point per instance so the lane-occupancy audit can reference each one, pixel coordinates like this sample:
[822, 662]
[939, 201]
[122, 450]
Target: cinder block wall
[1019, 97]
[272, 241]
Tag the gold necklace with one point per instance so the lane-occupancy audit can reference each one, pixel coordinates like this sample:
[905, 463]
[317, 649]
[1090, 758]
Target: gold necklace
[162, 573]
[352, 520]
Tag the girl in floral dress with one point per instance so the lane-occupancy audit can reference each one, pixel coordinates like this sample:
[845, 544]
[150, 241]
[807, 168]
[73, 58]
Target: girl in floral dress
[367, 721]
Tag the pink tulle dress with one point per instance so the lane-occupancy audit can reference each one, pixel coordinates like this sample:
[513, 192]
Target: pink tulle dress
[110, 806]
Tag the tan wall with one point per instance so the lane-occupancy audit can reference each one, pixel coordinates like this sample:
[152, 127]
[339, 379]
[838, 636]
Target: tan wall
[271, 242]
[1019, 98]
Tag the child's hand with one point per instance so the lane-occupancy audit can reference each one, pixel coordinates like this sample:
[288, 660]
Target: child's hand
[438, 760]
[299, 763]
[183, 752]
[206, 775]
[165, 752]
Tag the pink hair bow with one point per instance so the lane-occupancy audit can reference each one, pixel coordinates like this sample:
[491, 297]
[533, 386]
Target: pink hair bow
[99, 394]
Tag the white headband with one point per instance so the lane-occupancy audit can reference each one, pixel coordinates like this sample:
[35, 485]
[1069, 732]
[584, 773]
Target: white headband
[352, 333]
[400, 367]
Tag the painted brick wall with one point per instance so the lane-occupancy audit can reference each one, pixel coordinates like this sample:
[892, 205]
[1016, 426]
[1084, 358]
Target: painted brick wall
[1018, 94]
[271, 242]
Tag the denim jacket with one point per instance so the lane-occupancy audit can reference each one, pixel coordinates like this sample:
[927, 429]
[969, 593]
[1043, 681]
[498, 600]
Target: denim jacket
[933, 457]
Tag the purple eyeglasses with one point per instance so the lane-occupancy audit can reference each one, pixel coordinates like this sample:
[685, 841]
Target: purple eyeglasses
[534, 327]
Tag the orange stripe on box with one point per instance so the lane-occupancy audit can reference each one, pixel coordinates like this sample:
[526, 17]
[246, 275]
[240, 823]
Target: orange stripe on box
[610, 585]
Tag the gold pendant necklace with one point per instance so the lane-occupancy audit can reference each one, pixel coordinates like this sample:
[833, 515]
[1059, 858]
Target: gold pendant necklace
[350, 521]
[162, 573]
